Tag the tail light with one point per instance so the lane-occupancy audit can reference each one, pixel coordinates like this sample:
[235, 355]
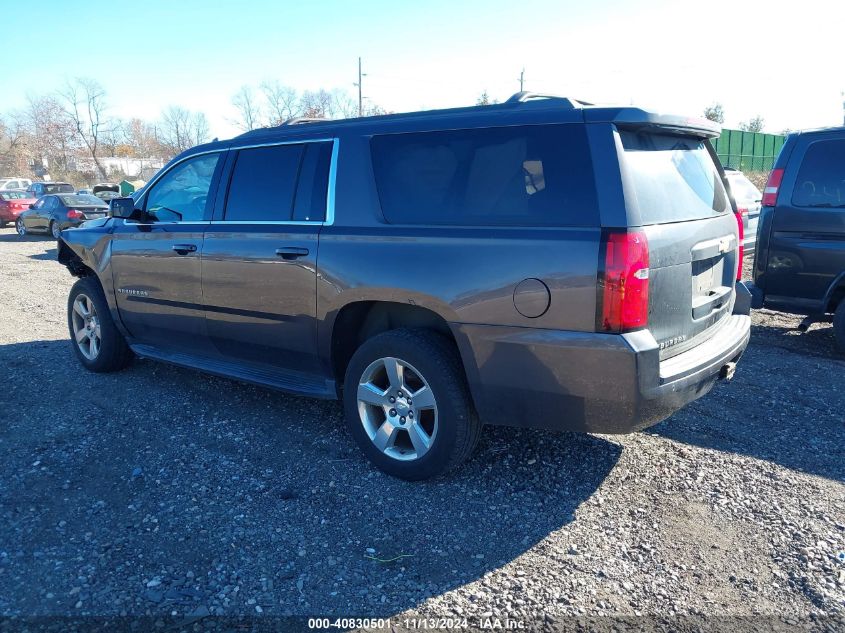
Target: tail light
[741, 250]
[770, 193]
[73, 214]
[624, 290]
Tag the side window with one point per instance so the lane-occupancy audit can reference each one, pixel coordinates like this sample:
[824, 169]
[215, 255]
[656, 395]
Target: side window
[310, 202]
[181, 195]
[821, 178]
[262, 185]
[39, 204]
[511, 176]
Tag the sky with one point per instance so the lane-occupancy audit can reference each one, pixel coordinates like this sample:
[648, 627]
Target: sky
[782, 61]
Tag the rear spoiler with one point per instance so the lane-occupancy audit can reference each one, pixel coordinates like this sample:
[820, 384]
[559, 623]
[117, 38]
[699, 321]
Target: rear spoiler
[637, 118]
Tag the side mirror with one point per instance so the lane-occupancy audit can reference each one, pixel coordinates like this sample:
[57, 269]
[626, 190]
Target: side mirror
[32, 206]
[122, 208]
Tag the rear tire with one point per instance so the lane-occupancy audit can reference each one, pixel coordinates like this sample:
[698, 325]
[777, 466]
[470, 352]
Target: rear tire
[20, 227]
[55, 231]
[94, 337]
[407, 439]
[839, 326]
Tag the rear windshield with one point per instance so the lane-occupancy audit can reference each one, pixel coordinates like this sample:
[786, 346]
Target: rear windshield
[742, 188]
[58, 188]
[674, 177]
[12, 195]
[83, 200]
[820, 181]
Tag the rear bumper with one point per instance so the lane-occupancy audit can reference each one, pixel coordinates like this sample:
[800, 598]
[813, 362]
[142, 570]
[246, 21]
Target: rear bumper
[596, 383]
[9, 216]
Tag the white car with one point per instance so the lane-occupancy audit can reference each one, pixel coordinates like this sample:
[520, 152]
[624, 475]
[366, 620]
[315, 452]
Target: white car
[11, 183]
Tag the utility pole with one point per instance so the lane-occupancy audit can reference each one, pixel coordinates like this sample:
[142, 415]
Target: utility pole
[521, 79]
[360, 95]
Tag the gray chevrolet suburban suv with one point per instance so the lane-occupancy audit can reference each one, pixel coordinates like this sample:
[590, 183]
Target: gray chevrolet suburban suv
[541, 263]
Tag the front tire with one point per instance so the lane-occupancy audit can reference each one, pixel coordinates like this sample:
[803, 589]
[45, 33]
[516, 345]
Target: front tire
[408, 406]
[95, 339]
[839, 326]
[20, 227]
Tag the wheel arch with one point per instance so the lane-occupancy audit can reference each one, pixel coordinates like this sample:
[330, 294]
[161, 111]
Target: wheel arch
[359, 321]
[835, 293]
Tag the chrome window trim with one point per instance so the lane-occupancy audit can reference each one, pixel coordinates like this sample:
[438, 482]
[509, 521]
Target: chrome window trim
[330, 193]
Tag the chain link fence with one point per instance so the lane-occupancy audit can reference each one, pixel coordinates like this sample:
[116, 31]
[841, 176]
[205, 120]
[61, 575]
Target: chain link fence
[748, 151]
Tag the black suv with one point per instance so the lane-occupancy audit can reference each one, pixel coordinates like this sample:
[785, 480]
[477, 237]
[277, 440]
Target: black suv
[799, 265]
[540, 263]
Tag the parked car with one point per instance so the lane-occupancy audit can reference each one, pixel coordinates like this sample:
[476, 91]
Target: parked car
[105, 196]
[799, 266]
[12, 183]
[538, 263]
[106, 190]
[54, 213]
[38, 189]
[748, 199]
[12, 204]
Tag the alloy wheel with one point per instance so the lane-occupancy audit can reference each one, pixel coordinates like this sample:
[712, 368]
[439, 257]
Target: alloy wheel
[55, 230]
[86, 326]
[20, 228]
[397, 409]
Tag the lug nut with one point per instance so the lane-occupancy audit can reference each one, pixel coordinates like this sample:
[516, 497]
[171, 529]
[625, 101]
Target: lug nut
[393, 413]
[402, 419]
[411, 414]
[399, 393]
[392, 399]
[410, 403]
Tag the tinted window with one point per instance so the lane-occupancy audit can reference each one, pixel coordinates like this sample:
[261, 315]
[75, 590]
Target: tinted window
[517, 176]
[674, 177]
[821, 178]
[181, 195]
[262, 184]
[310, 202]
[12, 195]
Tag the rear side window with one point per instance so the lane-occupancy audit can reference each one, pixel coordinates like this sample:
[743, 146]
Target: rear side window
[263, 183]
[310, 202]
[512, 176]
[675, 178]
[821, 178]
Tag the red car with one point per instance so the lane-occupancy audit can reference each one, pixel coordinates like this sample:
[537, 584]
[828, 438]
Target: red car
[12, 204]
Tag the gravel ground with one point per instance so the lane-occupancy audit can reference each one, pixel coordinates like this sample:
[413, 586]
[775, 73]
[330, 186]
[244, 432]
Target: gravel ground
[163, 491]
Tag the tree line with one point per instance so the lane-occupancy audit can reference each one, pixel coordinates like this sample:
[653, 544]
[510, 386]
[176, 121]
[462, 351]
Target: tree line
[69, 132]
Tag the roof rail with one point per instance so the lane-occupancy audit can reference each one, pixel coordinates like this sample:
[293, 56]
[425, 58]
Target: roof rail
[525, 96]
[304, 119]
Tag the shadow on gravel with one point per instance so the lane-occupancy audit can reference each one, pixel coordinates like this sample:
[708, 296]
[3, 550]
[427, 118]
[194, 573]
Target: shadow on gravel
[49, 254]
[785, 404]
[163, 489]
[30, 237]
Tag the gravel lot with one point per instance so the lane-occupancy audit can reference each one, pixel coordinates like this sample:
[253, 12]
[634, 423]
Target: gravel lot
[162, 491]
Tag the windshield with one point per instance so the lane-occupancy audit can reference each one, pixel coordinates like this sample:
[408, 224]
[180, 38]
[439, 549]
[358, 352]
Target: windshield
[12, 195]
[82, 200]
[674, 177]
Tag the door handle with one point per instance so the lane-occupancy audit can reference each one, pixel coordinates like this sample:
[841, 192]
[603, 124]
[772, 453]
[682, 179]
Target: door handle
[184, 249]
[291, 252]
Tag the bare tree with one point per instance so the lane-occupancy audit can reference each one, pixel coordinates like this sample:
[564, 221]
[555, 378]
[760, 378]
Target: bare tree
[344, 105]
[85, 103]
[14, 144]
[282, 102]
[483, 99]
[53, 135]
[181, 129]
[249, 113]
[318, 105]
